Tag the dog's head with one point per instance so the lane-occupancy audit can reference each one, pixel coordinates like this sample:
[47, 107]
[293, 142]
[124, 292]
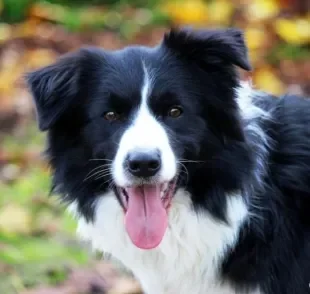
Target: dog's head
[144, 122]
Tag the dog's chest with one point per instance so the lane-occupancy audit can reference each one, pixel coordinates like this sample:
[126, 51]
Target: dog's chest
[177, 274]
[187, 260]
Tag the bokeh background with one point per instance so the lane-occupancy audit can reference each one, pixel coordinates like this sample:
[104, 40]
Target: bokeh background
[39, 252]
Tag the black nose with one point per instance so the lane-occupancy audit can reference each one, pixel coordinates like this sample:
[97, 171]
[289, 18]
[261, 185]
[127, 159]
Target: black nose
[144, 164]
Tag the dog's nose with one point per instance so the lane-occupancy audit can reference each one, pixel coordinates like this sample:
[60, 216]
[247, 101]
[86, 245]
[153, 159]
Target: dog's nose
[144, 164]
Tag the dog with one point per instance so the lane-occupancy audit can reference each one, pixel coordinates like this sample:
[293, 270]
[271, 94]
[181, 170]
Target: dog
[192, 179]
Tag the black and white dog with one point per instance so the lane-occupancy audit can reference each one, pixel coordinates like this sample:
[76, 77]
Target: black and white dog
[193, 180]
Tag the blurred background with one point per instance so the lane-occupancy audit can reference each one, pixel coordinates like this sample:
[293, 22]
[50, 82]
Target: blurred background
[39, 253]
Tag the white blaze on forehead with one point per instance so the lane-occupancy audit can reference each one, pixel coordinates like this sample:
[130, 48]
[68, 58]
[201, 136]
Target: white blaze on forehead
[145, 133]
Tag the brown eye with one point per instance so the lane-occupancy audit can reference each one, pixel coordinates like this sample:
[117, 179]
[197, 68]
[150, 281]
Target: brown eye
[175, 112]
[111, 116]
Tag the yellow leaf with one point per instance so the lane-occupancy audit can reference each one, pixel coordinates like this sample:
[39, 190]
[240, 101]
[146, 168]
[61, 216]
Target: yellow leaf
[5, 31]
[51, 12]
[9, 73]
[256, 56]
[26, 29]
[266, 80]
[293, 31]
[15, 219]
[221, 11]
[255, 37]
[187, 12]
[259, 10]
[39, 57]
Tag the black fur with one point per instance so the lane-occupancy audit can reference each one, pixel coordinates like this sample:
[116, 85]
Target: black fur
[196, 70]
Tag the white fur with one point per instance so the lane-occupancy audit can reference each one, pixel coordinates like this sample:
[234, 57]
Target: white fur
[251, 113]
[246, 98]
[145, 133]
[188, 259]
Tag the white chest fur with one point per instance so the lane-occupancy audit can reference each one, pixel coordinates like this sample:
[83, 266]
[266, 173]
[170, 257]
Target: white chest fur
[187, 259]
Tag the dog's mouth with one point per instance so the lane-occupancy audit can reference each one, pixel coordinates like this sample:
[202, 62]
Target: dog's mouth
[165, 190]
[146, 212]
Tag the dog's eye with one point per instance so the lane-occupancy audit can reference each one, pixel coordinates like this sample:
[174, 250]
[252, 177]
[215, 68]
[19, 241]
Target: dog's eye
[175, 111]
[111, 116]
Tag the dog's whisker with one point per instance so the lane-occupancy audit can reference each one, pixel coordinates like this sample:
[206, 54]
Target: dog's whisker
[110, 183]
[191, 161]
[102, 173]
[100, 176]
[184, 170]
[100, 166]
[100, 159]
[96, 173]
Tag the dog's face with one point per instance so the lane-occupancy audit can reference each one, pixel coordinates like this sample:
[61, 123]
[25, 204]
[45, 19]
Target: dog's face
[142, 122]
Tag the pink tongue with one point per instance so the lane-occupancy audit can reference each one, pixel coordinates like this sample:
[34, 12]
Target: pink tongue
[146, 218]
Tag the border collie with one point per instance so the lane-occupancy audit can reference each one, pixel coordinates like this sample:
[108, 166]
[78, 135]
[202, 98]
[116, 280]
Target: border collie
[193, 180]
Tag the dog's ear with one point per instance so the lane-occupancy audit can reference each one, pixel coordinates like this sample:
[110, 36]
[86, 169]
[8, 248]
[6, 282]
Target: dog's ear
[210, 46]
[54, 87]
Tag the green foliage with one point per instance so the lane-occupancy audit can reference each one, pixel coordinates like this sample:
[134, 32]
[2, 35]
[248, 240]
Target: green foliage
[136, 3]
[15, 10]
[38, 243]
[285, 51]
